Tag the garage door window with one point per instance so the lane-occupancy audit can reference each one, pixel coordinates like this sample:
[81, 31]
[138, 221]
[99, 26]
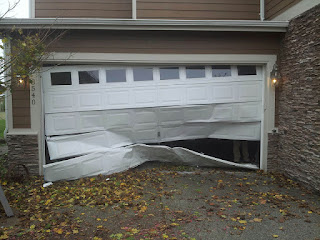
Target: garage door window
[221, 71]
[142, 74]
[169, 73]
[88, 77]
[116, 75]
[60, 78]
[195, 72]
[247, 70]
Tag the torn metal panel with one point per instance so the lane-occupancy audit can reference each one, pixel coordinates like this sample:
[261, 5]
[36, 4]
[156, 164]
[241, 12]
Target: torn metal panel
[120, 159]
[80, 144]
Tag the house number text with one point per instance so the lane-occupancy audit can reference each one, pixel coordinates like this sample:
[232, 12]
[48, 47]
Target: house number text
[33, 93]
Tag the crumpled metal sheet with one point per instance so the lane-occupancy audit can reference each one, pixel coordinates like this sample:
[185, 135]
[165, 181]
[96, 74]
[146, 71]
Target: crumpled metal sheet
[123, 158]
[80, 144]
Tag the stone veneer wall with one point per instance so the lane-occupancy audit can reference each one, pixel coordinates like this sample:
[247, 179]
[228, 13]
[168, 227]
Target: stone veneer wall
[295, 151]
[24, 149]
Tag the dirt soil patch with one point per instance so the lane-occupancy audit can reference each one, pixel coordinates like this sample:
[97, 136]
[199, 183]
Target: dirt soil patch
[158, 201]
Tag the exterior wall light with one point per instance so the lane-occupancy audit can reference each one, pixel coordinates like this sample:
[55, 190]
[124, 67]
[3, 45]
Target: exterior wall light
[20, 80]
[275, 75]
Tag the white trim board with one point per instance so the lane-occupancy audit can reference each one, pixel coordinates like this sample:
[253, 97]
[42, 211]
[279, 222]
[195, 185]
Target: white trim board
[134, 9]
[151, 59]
[146, 24]
[32, 8]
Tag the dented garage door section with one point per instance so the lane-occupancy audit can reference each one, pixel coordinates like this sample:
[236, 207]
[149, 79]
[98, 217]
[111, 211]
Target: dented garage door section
[120, 159]
[100, 124]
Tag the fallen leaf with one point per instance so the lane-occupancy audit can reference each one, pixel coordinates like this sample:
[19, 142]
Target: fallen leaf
[4, 236]
[263, 201]
[165, 236]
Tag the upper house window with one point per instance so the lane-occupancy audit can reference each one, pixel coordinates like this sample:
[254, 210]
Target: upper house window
[195, 72]
[247, 70]
[88, 77]
[142, 74]
[221, 71]
[60, 78]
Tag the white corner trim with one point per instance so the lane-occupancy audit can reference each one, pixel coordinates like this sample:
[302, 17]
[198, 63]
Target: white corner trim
[134, 9]
[32, 8]
[8, 94]
[296, 10]
[262, 9]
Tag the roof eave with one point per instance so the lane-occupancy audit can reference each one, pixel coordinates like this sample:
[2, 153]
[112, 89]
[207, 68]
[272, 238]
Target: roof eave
[149, 24]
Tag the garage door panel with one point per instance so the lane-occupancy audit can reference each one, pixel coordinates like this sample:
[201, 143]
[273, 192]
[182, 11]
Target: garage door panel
[146, 117]
[145, 97]
[118, 98]
[223, 112]
[57, 102]
[240, 131]
[250, 91]
[118, 119]
[91, 121]
[194, 113]
[75, 145]
[198, 94]
[250, 111]
[61, 124]
[90, 101]
[146, 135]
[169, 116]
[223, 92]
[171, 96]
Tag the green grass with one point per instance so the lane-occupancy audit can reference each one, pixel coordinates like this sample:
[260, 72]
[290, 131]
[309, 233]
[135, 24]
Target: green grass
[2, 124]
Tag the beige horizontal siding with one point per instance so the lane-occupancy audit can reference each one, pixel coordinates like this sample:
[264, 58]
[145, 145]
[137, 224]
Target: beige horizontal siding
[83, 8]
[275, 7]
[199, 9]
[21, 107]
[95, 41]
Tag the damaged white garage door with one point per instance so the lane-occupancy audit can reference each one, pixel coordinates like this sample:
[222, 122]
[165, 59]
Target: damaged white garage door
[94, 116]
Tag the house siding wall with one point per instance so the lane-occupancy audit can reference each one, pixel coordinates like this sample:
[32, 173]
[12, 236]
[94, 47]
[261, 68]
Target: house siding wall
[154, 9]
[83, 9]
[275, 7]
[298, 102]
[168, 42]
[199, 9]
[21, 107]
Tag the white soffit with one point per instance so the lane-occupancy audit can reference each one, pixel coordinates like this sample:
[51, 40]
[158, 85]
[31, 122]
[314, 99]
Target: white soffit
[150, 24]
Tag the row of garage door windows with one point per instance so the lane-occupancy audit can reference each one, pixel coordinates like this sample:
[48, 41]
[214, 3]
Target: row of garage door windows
[146, 74]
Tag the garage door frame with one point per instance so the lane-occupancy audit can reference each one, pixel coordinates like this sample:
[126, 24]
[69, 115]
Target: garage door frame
[268, 91]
